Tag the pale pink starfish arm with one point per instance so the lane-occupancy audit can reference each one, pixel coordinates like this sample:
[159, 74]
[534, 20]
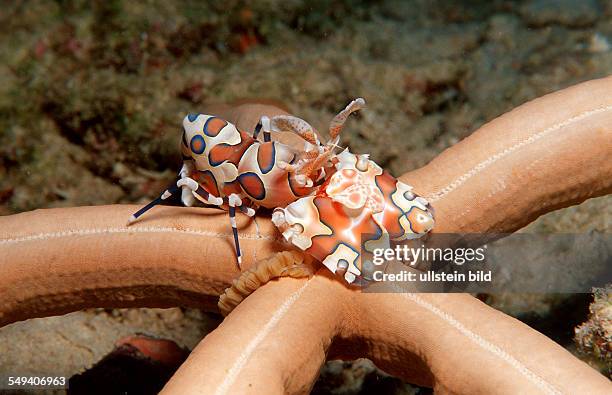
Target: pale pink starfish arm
[549, 153]
[61, 260]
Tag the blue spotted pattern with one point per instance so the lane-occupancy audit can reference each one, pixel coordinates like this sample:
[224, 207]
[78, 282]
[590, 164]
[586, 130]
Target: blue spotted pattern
[197, 144]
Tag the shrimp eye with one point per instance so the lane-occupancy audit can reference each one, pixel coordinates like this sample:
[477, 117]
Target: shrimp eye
[408, 195]
[362, 163]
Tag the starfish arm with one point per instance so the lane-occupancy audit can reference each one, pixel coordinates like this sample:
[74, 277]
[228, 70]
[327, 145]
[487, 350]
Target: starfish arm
[256, 360]
[549, 153]
[56, 261]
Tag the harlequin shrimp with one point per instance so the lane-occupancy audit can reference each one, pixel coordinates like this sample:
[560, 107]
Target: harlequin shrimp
[226, 167]
[328, 204]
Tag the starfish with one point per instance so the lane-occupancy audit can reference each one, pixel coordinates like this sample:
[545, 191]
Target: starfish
[546, 154]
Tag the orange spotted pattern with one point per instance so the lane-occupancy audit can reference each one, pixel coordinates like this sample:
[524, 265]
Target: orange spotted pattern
[391, 214]
[230, 153]
[333, 215]
[207, 181]
[213, 126]
[266, 156]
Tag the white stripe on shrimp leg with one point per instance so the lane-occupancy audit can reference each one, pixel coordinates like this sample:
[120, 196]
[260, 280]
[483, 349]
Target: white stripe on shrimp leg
[233, 201]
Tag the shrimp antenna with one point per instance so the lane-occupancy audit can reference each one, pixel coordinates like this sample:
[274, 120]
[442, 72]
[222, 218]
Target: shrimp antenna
[337, 123]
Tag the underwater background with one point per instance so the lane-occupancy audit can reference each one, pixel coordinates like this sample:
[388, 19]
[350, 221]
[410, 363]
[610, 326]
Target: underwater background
[92, 94]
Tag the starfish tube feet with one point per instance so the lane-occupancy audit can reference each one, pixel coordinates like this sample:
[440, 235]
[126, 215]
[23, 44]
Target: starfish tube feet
[283, 264]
